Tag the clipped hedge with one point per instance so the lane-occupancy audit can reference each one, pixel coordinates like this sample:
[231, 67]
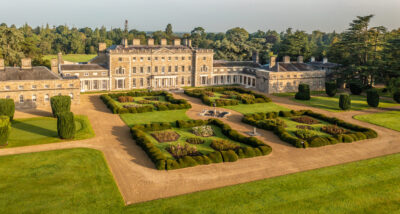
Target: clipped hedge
[66, 125]
[60, 104]
[261, 120]
[356, 87]
[254, 147]
[303, 93]
[372, 97]
[7, 108]
[330, 88]
[174, 104]
[5, 129]
[344, 101]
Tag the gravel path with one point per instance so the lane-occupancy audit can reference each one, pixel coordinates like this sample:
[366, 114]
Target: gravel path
[139, 181]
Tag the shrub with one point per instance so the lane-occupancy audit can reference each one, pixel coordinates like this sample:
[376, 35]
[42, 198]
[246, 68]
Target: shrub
[60, 104]
[215, 157]
[318, 141]
[305, 119]
[249, 152]
[396, 96]
[7, 108]
[165, 136]
[5, 129]
[125, 99]
[303, 93]
[66, 125]
[356, 88]
[223, 145]
[195, 140]
[265, 150]
[330, 88]
[186, 161]
[229, 156]
[333, 130]
[305, 127]
[144, 102]
[180, 150]
[203, 131]
[373, 97]
[344, 101]
[304, 134]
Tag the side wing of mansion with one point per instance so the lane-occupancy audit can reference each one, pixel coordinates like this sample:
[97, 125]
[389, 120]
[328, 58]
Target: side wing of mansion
[162, 66]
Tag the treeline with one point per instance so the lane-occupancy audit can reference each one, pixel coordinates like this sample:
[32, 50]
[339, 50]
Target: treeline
[365, 53]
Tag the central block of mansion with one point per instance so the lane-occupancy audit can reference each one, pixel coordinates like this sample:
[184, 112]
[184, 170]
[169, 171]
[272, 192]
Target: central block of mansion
[162, 66]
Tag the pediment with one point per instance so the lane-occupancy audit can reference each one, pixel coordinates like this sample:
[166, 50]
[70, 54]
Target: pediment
[163, 51]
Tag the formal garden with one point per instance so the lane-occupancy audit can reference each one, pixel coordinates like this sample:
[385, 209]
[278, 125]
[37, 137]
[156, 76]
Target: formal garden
[305, 128]
[140, 101]
[195, 142]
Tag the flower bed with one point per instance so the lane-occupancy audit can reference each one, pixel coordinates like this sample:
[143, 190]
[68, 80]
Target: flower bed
[223, 145]
[236, 96]
[184, 155]
[165, 136]
[338, 132]
[171, 103]
[203, 131]
[305, 119]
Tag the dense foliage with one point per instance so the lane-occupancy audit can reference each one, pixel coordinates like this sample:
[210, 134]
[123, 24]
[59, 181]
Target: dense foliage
[60, 104]
[5, 129]
[373, 97]
[331, 88]
[356, 87]
[303, 93]
[7, 108]
[66, 125]
[344, 101]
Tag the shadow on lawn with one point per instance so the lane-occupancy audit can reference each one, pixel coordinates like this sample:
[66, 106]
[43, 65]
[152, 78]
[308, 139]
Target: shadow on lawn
[34, 129]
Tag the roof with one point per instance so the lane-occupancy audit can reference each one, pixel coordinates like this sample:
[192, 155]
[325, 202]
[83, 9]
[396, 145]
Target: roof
[35, 73]
[322, 64]
[222, 63]
[293, 66]
[83, 67]
[147, 47]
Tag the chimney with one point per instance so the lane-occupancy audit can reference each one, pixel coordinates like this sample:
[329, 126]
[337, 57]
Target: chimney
[177, 42]
[286, 59]
[163, 42]
[136, 42]
[189, 43]
[54, 65]
[102, 46]
[272, 61]
[255, 57]
[325, 60]
[300, 59]
[150, 41]
[312, 59]
[2, 64]
[125, 42]
[26, 63]
[59, 58]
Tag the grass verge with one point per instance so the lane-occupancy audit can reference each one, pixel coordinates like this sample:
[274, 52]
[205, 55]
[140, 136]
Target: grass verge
[155, 116]
[258, 107]
[389, 119]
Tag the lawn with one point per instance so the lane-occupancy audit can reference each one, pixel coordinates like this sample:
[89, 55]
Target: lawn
[389, 119]
[332, 103]
[258, 107]
[60, 181]
[79, 181]
[137, 101]
[41, 130]
[291, 94]
[73, 57]
[156, 116]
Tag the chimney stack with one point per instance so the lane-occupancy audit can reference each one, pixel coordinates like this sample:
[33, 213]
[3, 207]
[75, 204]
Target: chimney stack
[59, 58]
[26, 63]
[286, 59]
[272, 61]
[300, 59]
[312, 59]
[189, 43]
[2, 64]
[325, 60]
[163, 42]
[255, 57]
[125, 42]
[102, 46]
[150, 41]
[136, 42]
[177, 42]
[54, 65]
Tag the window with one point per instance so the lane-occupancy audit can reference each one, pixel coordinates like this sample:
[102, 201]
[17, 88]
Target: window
[156, 69]
[169, 58]
[86, 74]
[183, 80]
[148, 69]
[134, 82]
[169, 68]
[46, 86]
[120, 70]
[190, 68]
[148, 82]
[71, 85]
[71, 95]
[46, 98]
[176, 68]
[163, 69]
[59, 86]
[163, 59]
[134, 70]
[120, 83]
[34, 98]
[76, 74]
[204, 68]
[204, 58]
[203, 80]
[20, 87]
[21, 98]
[134, 59]
[33, 86]
[95, 74]
[141, 70]
[7, 87]
[176, 58]
[189, 58]
[103, 73]
[95, 84]
[68, 75]
[141, 82]
[148, 58]
[155, 58]
[141, 59]
[188, 81]
[120, 59]
[183, 58]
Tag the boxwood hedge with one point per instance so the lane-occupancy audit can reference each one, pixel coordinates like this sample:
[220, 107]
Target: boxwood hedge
[7, 108]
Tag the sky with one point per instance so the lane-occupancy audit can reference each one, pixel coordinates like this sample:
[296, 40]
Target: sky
[212, 15]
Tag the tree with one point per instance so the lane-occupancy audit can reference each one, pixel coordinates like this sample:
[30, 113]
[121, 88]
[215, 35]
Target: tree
[303, 93]
[330, 88]
[168, 30]
[7, 108]
[295, 44]
[60, 104]
[10, 45]
[197, 35]
[372, 97]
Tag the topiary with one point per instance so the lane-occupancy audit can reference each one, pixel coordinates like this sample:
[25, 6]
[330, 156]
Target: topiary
[66, 125]
[229, 156]
[330, 88]
[356, 87]
[5, 129]
[303, 93]
[373, 97]
[344, 101]
[396, 96]
[7, 108]
[60, 104]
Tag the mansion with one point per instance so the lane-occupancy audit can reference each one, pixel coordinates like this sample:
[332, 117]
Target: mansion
[161, 66]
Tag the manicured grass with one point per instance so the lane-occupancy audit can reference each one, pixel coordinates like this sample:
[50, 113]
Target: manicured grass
[162, 99]
[155, 116]
[389, 119]
[332, 103]
[73, 57]
[291, 94]
[257, 107]
[41, 130]
[60, 181]
[78, 181]
[291, 126]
